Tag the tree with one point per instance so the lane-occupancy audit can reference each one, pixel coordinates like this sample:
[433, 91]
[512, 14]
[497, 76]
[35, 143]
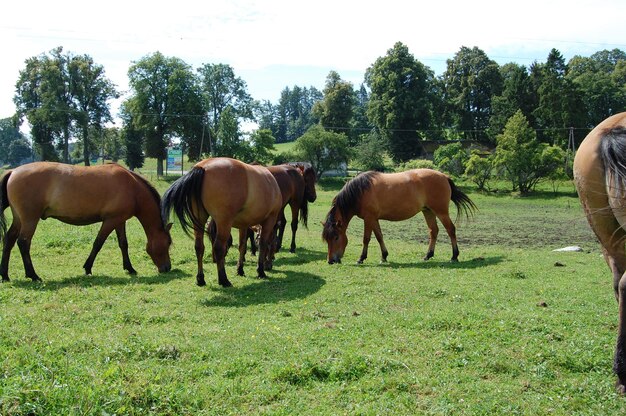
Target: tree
[324, 150]
[90, 92]
[19, 150]
[8, 134]
[261, 146]
[221, 89]
[469, 82]
[451, 158]
[401, 101]
[162, 89]
[516, 95]
[522, 157]
[293, 114]
[479, 169]
[335, 110]
[132, 139]
[369, 153]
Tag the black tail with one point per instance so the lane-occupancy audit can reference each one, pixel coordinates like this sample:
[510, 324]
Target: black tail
[304, 213]
[613, 154]
[462, 201]
[4, 203]
[181, 196]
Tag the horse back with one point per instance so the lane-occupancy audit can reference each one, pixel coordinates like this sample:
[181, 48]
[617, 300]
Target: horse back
[603, 199]
[241, 193]
[400, 196]
[72, 194]
[290, 182]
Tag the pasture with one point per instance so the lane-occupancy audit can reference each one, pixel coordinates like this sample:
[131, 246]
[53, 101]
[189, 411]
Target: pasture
[513, 328]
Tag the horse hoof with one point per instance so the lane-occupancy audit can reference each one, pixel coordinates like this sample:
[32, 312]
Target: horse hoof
[226, 284]
[454, 260]
[359, 261]
[621, 389]
[5, 279]
[200, 280]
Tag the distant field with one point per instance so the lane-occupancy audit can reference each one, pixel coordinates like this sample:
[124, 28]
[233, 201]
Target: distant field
[513, 328]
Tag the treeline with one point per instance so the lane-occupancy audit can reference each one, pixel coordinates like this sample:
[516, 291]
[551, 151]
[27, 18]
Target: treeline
[66, 99]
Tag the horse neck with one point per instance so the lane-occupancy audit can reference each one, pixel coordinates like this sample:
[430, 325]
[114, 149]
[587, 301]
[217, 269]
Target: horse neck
[148, 211]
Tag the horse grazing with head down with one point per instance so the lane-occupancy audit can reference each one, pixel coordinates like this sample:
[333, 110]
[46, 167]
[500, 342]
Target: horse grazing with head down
[394, 197]
[600, 177]
[232, 194]
[76, 195]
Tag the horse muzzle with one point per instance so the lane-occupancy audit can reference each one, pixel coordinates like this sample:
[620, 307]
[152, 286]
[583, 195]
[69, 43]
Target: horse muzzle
[334, 259]
[165, 268]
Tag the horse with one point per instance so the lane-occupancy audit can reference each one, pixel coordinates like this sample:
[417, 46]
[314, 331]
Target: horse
[297, 185]
[296, 181]
[394, 197]
[600, 178]
[78, 195]
[233, 194]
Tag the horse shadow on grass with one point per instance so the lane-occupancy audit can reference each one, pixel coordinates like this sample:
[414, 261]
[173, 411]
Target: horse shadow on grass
[294, 285]
[86, 281]
[474, 263]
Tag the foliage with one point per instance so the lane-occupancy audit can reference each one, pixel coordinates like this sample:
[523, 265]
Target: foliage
[262, 146]
[8, 134]
[132, 139]
[479, 169]
[523, 158]
[369, 153]
[335, 110]
[165, 95]
[451, 158]
[416, 164]
[401, 101]
[324, 150]
[470, 81]
[19, 150]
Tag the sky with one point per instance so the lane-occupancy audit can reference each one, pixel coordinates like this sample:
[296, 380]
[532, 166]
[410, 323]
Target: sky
[273, 44]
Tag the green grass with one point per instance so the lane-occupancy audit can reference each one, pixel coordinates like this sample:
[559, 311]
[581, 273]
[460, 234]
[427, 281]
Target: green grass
[513, 328]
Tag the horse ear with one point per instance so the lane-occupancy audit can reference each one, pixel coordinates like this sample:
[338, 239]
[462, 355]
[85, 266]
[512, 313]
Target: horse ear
[168, 227]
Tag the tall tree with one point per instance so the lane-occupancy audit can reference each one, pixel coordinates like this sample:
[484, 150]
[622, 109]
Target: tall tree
[221, 89]
[8, 134]
[293, 114]
[90, 92]
[516, 95]
[162, 89]
[470, 81]
[335, 110]
[401, 101]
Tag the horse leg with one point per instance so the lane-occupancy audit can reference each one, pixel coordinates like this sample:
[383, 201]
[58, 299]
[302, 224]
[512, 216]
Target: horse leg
[252, 238]
[281, 230]
[199, 249]
[367, 236]
[243, 239]
[24, 238]
[294, 227]
[122, 242]
[219, 253]
[433, 232]
[266, 248]
[451, 230]
[379, 237]
[9, 242]
[106, 229]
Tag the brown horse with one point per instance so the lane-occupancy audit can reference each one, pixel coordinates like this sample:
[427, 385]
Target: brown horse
[297, 186]
[600, 177]
[79, 196]
[394, 197]
[233, 194]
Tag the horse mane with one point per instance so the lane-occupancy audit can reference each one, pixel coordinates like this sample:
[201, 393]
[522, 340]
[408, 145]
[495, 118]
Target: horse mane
[347, 200]
[613, 154]
[152, 190]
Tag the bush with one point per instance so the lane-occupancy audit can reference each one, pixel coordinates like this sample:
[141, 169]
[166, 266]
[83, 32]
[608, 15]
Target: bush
[451, 158]
[415, 164]
[479, 169]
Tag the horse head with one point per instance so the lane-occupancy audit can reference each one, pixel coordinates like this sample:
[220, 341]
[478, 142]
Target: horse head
[334, 233]
[309, 183]
[158, 248]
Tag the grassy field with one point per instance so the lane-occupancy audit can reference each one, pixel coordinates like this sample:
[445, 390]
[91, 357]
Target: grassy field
[513, 328]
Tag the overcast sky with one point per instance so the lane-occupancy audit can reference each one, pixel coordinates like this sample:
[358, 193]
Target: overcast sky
[272, 44]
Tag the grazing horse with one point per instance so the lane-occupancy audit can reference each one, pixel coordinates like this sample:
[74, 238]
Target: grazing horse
[297, 186]
[77, 195]
[233, 194]
[394, 197]
[600, 177]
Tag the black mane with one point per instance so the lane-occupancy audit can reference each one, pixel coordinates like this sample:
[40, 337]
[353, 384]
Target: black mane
[347, 200]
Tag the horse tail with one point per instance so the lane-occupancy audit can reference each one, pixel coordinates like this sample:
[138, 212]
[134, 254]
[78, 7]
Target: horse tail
[463, 202]
[184, 196]
[613, 154]
[304, 213]
[4, 203]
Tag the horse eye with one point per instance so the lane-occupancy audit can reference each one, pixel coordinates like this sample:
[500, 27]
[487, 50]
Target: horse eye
[336, 238]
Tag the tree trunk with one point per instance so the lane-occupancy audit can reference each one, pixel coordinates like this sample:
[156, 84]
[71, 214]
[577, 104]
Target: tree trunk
[160, 166]
[66, 144]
